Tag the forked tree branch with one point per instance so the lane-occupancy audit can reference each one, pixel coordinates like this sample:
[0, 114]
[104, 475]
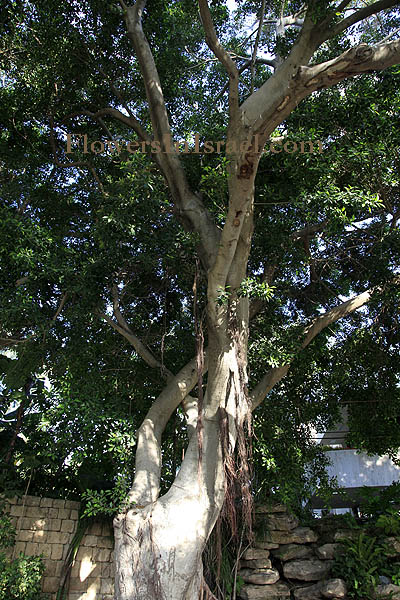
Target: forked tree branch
[274, 101]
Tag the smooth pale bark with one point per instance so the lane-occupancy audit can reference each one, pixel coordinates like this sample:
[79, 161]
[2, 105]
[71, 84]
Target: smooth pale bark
[159, 544]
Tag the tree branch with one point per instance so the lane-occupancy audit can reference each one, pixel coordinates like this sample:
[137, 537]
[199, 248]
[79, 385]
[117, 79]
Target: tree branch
[137, 344]
[358, 16]
[276, 99]
[257, 41]
[223, 56]
[274, 375]
[189, 206]
[146, 485]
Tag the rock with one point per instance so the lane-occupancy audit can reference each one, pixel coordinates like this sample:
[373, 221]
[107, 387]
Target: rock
[276, 591]
[266, 545]
[307, 570]
[388, 591]
[271, 508]
[258, 563]
[311, 592]
[342, 534]
[259, 576]
[334, 588]
[393, 545]
[282, 522]
[327, 551]
[300, 535]
[291, 551]
[253, 553]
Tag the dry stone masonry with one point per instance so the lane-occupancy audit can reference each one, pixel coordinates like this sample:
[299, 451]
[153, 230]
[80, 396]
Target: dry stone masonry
[288, 561]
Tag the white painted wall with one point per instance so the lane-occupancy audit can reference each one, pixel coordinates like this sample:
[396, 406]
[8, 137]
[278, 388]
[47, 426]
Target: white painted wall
[355, 470]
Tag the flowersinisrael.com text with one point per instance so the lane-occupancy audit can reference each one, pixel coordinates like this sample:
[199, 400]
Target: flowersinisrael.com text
[168, 146]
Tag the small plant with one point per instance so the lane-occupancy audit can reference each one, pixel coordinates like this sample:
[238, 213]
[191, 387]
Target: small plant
[389, 522]
[106, 502]
[20, 579]
[373, 504]
[359, 565]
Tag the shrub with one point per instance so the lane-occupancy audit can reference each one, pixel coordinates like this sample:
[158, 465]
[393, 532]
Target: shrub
[19, 578]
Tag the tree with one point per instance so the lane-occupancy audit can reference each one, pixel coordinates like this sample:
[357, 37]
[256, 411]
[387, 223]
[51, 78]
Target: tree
[69, 72]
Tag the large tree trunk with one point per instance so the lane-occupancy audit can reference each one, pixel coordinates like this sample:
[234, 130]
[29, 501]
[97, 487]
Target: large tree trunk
[159, 544]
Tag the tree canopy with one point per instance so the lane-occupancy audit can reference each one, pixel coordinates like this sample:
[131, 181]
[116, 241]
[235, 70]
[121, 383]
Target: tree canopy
[103, 273]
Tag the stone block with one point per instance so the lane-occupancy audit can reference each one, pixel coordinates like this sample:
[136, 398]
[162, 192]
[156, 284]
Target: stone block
[39, 536]
[58, 503]
[311, 592]
[105, 542]
[258, 563]
[84, 552]
[282, 522]
[276, 591]
[53, 568]
[107, 529]
[300, 535]
[35, 511]
[30, 500]
[75, 569]
[32, 549]
[13, 500]
[68, 526]
[342, 534]
[265, 545]
[45, 549]
[57, 537]
[52, 513]
[19, 547]
[107, 586]
[74, 515]
[393, 545]
[327, 551]
[388, 590]
[76, 585]
[307, 570]
[259, 576]
[101, 555]
[50, 584]
[28, 524]
[95, 529]
[93, 584]
[107, 570]
[54, 524]
[270, 508]
[17, 510]
[253, 553]
[291, 551]
[72, 504]
[334, 588]
[57, 551]
[64, 513]
[46, 502]
[15, 522]
[89, 540]
[25, 536]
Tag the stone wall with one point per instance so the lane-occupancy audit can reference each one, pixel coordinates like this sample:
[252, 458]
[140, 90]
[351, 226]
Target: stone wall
[46, 526]
[288, 561]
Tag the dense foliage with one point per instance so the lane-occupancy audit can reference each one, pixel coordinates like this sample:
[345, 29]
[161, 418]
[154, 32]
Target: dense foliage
[83, 235]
